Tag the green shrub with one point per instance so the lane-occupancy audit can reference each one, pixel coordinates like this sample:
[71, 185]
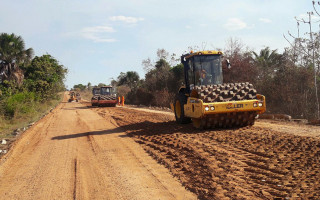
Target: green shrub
[22, 102]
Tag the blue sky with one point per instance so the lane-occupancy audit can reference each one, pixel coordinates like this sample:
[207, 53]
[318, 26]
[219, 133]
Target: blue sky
[96, 40]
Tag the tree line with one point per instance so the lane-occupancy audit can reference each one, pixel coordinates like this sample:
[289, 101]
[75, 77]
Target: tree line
[26, 81]
[287, 82]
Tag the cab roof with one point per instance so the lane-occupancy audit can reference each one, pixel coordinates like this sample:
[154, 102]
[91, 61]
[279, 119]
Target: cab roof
[203, 53]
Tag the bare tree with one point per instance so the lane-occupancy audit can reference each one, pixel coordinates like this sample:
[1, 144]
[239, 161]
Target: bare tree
[233, 46]
[162, 54]
[304, 49]
[147, 64]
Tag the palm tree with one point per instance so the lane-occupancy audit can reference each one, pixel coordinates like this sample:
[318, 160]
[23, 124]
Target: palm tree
[131, 79]
[266, 58]
[267, 61]
[13, 55]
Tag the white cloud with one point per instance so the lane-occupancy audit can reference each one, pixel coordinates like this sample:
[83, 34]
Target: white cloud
[98, 29]
[235, 24]
[98, 33]
[306, 17]
[265, 20]
[188, 27]
[129, 20]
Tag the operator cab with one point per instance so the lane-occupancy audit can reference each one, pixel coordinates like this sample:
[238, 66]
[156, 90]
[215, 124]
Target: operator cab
[107, 90]
[96, 91]
[202, 68]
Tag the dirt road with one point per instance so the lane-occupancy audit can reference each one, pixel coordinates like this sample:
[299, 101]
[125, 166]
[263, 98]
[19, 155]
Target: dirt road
[84, 152]
[75, 153]
[271, 160]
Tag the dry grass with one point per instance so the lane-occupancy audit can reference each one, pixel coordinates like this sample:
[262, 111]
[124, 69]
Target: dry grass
[7, 126]
[86, 95]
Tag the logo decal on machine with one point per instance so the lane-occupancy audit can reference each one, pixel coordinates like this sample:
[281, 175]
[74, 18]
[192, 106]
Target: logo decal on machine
[234, 106]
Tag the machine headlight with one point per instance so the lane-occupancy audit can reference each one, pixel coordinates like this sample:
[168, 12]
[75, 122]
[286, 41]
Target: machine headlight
[260, 104]
[255, 104]
[206, 108]
[212, 107]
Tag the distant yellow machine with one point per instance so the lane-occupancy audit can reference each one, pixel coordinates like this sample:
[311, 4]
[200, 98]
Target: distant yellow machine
[74, 97]
[207, 102]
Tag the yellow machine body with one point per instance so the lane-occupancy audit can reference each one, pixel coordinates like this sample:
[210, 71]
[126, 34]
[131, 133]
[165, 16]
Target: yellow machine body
[196, 108]
[208, 102]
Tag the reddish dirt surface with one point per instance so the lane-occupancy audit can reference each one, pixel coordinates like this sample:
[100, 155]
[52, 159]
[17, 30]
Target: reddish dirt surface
[83, 152]
[75, 153]
[265, 161]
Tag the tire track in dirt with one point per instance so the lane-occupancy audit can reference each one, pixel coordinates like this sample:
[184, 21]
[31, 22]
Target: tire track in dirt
[74, 153]
[246, 163]
[75, 180]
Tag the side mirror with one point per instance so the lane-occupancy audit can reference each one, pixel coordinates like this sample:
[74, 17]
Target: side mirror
[228, 64]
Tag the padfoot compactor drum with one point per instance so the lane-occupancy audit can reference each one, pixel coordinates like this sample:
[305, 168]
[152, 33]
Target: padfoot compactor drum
[95, 97]
[107, 97]
[207, 102]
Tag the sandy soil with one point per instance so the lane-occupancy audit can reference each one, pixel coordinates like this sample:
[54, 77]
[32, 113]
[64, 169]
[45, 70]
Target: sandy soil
[294, 128]
[83, 152]
[270, 160]
[75, 153]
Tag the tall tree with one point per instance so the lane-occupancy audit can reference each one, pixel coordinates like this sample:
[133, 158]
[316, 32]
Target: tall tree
[131, 79]
[242, 65]
[266, 58]
[268, 62]
[80, 87]
[89, 86]
[162, 63]
[12, 56]
[305, 50]
[45, 76]
[101, 84]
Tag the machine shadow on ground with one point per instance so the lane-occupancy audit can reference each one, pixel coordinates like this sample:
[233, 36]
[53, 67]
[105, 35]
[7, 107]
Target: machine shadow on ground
[161, 128]
[85, 134]
[82, 107]
[145, 128]
[77, 108]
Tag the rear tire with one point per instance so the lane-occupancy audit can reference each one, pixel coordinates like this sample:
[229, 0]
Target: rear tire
[179, 102]
[198, 123]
